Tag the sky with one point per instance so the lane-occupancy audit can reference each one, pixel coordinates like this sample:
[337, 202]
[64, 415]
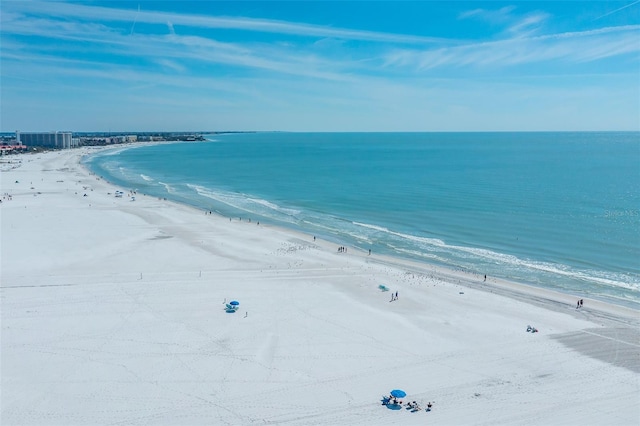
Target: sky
[320, 66]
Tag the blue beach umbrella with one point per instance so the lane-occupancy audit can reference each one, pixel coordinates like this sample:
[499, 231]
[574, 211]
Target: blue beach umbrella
[397, 393]
[234, 303]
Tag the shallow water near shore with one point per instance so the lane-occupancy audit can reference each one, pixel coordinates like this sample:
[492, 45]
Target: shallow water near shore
[555, 210]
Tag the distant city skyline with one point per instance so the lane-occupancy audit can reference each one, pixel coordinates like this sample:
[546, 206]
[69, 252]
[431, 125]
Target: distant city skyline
[320, 66]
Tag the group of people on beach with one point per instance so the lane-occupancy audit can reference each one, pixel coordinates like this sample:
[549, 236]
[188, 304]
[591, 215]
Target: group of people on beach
[579, 305]
[392, 400]
[412, 406]
[342, 249]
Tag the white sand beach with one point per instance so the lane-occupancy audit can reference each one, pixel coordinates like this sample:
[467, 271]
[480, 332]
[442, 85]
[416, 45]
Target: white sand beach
[113, 313]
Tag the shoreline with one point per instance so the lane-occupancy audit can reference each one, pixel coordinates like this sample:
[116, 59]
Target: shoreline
[112, 311]
[443, 271]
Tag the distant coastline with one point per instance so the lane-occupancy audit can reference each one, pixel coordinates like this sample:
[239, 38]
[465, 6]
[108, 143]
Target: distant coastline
[10, 143]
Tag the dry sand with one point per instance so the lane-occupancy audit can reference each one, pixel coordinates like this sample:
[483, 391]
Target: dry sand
[113, 313]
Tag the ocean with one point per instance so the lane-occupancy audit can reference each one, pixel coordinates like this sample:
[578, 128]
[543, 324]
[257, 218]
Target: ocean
[558, 210]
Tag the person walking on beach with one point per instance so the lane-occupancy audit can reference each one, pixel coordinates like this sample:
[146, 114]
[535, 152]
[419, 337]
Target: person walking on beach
[396, 295]
[485, 278]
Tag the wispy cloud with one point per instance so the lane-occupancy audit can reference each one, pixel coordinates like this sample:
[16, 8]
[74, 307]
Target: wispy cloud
[313, 60]
[171, 65]
[511, 22]
[573, 47]
[528, 25]
[618, 10]
[104, 14]
[501, 15]
[193, 48]
[278, 69]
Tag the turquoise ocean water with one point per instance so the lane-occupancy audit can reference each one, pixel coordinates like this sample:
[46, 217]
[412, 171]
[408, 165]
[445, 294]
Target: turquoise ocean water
[555, 210]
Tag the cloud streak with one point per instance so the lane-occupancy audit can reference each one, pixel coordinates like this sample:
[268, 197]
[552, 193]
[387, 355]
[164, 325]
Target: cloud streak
[291, 68]
[573, 47]
[617, 10]
[104, 14]
[311, 60]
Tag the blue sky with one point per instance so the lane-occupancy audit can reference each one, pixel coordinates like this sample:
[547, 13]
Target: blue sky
[320, 66]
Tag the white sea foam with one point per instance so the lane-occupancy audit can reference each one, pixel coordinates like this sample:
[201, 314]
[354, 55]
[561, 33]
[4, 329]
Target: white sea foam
[473, 254]
[609, 279]
[432, 241]
[247, 204]
[170, 189]
[289, 211]
[422, 254]
[319, 225]
[147, 178]
[129, 175]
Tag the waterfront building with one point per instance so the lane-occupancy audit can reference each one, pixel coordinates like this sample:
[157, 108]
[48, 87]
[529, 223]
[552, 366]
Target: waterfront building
[60, 140]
